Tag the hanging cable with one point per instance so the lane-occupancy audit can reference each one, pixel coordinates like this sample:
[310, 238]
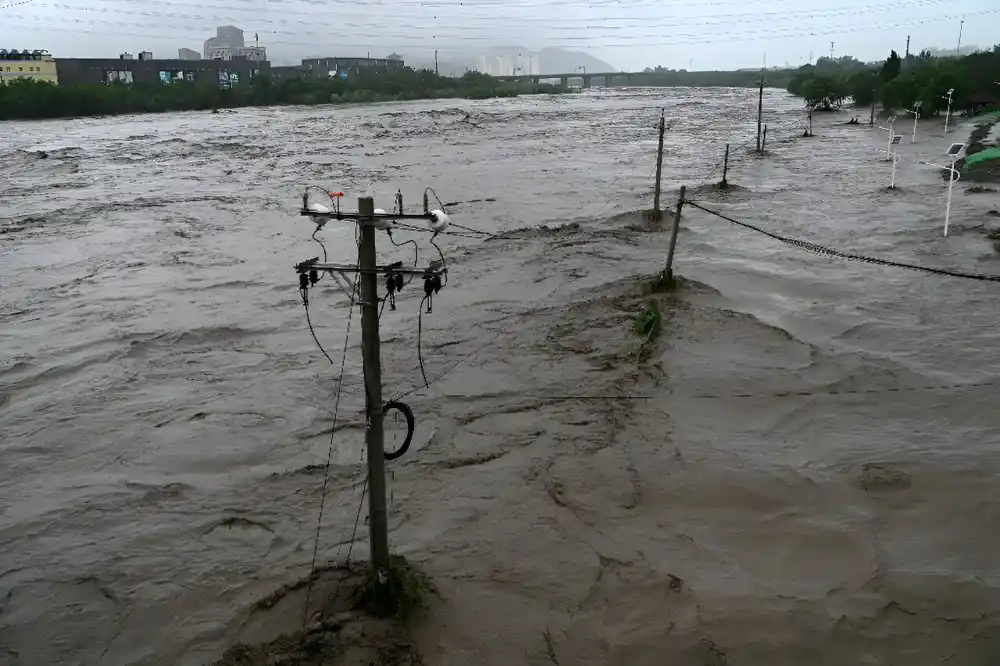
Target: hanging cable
[333, 429]
[420, 331]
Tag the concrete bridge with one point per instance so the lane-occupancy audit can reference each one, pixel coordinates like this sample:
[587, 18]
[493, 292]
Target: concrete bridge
[609, 79]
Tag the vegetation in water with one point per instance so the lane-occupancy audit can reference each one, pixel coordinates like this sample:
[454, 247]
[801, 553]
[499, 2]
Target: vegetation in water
[648, 322]
[28, 99]
[897, 83]
[400, 592]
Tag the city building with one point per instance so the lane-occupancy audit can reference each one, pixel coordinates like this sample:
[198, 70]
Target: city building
[188, 54]
[211, 44]
[345, 66]
[37, 65]
[224, 73]
[230, 35]
[255, 53]
[225, 36]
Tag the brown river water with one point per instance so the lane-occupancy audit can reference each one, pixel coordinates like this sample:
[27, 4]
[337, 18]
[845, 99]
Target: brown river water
[802, 468]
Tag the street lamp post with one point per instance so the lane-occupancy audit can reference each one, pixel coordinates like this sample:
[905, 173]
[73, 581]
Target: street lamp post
[916, 116]
[947, 115]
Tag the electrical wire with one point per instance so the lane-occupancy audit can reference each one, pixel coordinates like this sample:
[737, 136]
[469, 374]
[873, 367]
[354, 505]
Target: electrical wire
[580, 41]
[428, 12]
[420, 335]
[329, 453]
[416, 251]
[444, 264]
[830, 252]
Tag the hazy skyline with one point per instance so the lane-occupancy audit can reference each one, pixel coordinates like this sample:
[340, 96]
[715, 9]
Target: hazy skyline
[629, 34]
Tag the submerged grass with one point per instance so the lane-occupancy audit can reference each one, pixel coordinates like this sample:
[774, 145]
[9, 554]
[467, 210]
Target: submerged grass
[399, 592]
[648, 323]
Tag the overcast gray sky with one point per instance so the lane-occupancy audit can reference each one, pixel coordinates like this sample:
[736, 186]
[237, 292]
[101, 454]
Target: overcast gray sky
[629, 34]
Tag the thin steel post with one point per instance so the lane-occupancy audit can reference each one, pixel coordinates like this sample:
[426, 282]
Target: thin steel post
[725, 168]
[659, 171]
[668, 273]
[760, 110]
[377, 519]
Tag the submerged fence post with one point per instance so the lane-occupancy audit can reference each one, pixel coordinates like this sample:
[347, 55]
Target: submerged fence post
[763, 144]
[725, 169]
[659, 171]
[760, 110]
[668, 274]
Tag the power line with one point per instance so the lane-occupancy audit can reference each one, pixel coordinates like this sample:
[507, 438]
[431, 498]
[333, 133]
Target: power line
[830, 252]
[579, 42]
[599, 22]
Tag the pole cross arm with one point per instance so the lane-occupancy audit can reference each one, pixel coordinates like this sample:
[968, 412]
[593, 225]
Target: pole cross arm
[433, 268]
[358, 217]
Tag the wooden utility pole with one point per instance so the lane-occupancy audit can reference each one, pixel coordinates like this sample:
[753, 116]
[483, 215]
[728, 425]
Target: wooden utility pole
[659, 170]
[378, 525]
[763, 142]
[668, 273]
[436, 63]
[907, 56]
[871, 120]
[725, 169]
[760, 110]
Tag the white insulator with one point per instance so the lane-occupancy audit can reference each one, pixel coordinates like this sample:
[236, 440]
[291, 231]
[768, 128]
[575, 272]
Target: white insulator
[439, 221]
[315, 207]
[383, 224]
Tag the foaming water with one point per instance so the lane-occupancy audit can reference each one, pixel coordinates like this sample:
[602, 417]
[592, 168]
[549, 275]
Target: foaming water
[797, 484]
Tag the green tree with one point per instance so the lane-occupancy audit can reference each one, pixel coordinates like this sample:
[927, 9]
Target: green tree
[891, 68]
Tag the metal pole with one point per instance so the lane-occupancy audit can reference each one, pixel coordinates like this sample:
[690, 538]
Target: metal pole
[760, 110]
[378, 528]
[871, 120]
[810, 121]
[436, 62]
[725, 168]
[892, 185]
[763, 143]
[947, 209]
[958, 51]
[659, 170]
[668, 274]
[947, 115]
[916, 117]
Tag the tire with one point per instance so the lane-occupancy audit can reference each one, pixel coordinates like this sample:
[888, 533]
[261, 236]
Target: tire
[403, 409]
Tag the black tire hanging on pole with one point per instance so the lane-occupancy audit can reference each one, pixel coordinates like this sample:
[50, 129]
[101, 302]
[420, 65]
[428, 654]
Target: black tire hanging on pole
[407, 413]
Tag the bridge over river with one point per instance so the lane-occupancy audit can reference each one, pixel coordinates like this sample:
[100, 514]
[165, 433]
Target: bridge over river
[609, 79]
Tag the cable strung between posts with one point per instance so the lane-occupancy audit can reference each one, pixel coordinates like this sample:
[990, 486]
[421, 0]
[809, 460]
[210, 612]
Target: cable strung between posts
[329, 453]
[830, 252]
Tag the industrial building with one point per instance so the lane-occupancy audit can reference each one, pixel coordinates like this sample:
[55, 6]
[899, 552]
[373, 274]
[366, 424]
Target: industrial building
[188, 54]
[339, 66]
[38, 65]
[147, 70]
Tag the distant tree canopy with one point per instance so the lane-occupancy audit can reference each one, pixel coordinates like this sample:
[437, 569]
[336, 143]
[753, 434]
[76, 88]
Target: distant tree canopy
[26, 98]
[898, 83]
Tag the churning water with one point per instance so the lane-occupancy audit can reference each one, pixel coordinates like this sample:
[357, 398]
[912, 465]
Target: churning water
[799, 470]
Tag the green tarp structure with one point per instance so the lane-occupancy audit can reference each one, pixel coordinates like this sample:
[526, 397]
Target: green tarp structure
[984, 155]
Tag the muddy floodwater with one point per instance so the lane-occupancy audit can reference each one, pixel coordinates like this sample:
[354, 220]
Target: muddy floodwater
[801, 468]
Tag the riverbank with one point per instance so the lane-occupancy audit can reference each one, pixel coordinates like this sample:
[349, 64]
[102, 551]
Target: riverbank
[26, 99]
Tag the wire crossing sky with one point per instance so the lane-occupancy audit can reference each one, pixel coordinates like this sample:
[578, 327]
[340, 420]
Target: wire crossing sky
[629, 34]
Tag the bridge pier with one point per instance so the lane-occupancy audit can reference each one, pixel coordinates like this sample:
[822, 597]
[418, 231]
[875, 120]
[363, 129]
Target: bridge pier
[563, 81]
[586, 81]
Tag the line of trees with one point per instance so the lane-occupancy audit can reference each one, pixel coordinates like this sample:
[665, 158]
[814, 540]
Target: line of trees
[898, 83]
[30, 99]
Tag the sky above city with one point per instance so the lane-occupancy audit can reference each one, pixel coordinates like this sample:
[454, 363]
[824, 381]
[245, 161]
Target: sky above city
[628, 34]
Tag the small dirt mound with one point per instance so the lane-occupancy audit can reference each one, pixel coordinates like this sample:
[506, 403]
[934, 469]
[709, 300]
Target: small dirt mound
[354, 620]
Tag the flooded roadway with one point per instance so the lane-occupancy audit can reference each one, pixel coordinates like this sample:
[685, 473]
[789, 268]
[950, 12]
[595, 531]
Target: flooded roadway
[163, 408]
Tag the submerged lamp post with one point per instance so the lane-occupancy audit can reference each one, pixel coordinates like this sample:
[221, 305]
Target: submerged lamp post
[916, 116]
[889, 142]
[947, 115]
[954, 153]
[894, 141]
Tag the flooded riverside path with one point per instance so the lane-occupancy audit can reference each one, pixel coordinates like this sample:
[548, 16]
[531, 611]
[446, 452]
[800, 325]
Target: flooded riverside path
[165, 414]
